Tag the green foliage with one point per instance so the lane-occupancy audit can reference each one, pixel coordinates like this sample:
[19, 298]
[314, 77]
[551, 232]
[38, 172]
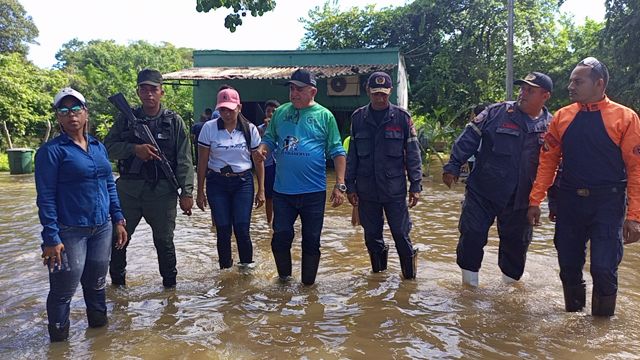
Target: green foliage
[16, 28]
[4, 162]
[239, 9]
[455, 50]
[622, 27]
[101, 68]
[26, 93]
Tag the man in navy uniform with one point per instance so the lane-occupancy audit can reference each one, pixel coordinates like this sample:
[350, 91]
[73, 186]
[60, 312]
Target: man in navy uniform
[383, 153]
[511, 134]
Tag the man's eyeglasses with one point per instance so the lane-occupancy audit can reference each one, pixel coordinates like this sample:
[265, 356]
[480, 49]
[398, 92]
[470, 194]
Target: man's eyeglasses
[63, 111]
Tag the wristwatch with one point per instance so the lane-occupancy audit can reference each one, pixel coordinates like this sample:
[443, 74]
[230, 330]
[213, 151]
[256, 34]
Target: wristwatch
[122, 222]
[341, 187]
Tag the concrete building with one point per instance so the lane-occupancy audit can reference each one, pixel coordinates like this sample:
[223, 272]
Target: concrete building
[260, 75]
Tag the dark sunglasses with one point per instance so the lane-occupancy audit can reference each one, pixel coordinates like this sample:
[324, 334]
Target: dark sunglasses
[63, 111]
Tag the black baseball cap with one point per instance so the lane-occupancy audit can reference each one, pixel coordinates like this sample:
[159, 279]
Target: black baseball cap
[150, 77]
[537, 79]
[379, 82]
[302, 78]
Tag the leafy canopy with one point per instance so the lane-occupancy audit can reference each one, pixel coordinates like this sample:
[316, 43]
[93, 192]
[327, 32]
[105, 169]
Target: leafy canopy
[239, 9]
[16, 28]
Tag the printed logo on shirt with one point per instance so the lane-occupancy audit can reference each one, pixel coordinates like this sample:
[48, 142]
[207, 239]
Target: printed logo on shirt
[636, 150]
[240, 146]
[290, 143]
[290, 147]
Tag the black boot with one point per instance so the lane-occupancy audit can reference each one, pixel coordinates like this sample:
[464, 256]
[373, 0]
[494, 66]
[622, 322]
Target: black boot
[283, 264]
[309, 268]
[603, 305]
[118, 280]
[409, 265]
[574, 297]
[57, 335]
[169, 282]
[96, 318]
[225, 264]
[379, 260]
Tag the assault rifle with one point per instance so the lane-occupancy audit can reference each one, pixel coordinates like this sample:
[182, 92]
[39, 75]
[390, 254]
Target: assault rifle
[141, 131]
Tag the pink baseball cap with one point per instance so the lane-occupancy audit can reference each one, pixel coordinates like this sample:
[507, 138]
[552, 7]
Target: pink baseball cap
[228, 98]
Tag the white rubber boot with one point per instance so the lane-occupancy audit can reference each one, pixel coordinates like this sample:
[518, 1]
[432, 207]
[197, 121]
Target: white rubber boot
[470, 278]
[508, 280]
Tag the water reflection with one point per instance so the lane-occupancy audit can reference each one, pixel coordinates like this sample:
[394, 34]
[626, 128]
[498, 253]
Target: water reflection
[350, 312]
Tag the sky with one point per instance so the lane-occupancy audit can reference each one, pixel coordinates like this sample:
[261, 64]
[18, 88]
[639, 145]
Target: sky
[177, 22]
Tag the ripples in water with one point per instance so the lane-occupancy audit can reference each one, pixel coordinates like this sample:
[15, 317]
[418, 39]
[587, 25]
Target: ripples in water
[349, 313]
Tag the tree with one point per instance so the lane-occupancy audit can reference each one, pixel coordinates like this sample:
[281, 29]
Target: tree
[239, 8]
[26, 93]
[454, 50]
[101, 68]
[622, 21]
[16, 28]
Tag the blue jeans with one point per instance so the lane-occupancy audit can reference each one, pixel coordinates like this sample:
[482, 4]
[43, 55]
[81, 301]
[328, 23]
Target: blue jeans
[88, 250]
[286, 208]
[231, 202]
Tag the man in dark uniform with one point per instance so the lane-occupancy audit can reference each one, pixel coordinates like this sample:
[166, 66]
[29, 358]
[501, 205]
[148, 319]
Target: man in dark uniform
[383, 153]
[596, 143]
[511, 134]
[143, 188]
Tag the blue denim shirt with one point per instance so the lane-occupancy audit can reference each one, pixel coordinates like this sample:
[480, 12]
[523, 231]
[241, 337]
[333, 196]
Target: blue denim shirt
[75, 188]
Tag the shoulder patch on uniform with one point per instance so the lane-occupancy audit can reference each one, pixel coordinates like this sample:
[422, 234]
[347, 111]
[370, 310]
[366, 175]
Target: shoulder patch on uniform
[480, 117]
[551, 142]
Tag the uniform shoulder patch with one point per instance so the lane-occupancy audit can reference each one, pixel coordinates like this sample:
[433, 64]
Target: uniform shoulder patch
[481, 117]
[551, 142]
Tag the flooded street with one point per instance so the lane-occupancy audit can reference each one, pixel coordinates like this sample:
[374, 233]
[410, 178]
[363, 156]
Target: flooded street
[349, 313]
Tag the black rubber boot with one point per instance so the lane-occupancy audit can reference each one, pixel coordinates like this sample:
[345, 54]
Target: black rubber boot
[409, 265]
[225, 264]
[169, 282]
[283, 264]
[96, 318]
[310, 265]
[574, 297]
[118, 280]
[379, 260]
[603, 305]
[57, 335]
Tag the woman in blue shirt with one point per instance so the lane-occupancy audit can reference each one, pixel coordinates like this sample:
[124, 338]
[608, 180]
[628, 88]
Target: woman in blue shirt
[77, 204]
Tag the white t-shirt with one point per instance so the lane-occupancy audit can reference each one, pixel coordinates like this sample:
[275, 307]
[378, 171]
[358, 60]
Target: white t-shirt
[228, 148]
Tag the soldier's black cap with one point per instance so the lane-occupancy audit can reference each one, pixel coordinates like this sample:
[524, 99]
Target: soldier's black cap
[150, 77]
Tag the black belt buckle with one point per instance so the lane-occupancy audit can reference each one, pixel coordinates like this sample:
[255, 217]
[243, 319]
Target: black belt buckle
[582, 192]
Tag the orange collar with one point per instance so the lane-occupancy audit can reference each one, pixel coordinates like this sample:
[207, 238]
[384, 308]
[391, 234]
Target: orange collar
[596, 106]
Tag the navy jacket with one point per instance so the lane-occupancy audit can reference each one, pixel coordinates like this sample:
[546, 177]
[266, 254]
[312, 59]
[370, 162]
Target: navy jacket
[507, 160]
[382, 157]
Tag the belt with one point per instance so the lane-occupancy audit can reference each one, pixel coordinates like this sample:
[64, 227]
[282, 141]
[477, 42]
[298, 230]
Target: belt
[585, 192]
[230, 174]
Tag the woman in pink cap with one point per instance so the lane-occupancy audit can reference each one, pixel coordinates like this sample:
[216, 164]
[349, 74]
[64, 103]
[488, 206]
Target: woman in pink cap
[224, 159]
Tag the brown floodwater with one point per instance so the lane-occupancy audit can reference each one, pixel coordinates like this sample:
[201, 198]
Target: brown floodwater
[350, 313]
